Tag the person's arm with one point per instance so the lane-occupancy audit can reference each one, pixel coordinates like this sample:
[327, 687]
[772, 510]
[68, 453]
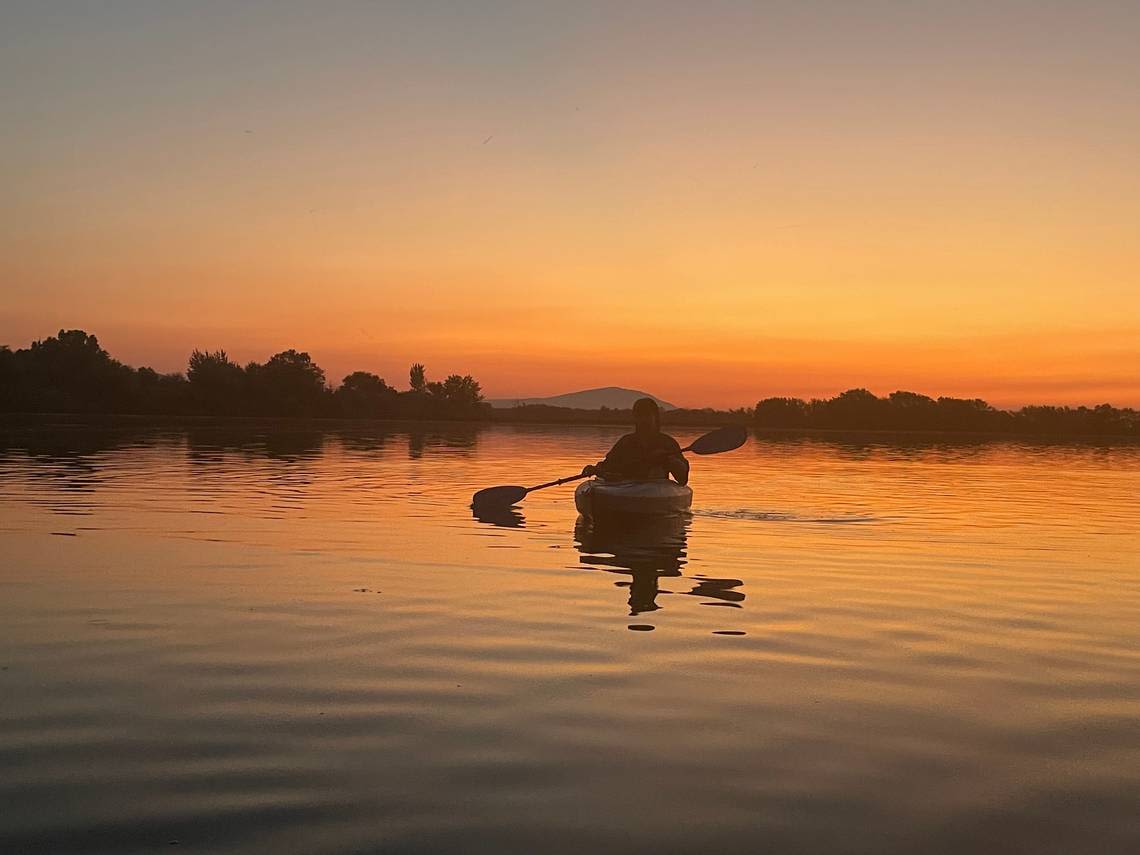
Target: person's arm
[677, 465]
[611, 462]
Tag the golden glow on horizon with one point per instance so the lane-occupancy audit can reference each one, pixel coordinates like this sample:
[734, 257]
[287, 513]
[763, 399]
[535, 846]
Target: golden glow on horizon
[879, 200]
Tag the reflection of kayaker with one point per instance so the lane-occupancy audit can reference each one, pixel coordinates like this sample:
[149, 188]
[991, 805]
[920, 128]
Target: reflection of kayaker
[649, 549]
[645, 549]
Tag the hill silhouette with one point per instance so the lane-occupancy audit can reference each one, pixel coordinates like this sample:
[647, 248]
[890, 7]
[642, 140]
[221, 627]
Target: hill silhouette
[610, 397]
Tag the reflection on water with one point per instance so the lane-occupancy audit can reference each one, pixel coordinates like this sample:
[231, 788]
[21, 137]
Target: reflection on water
[458, 438]
[498, 515]
[649, 549]
[251, 640]
[646, 548]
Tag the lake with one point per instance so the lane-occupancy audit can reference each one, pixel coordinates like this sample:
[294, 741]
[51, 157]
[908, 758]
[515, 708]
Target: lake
[304, 642]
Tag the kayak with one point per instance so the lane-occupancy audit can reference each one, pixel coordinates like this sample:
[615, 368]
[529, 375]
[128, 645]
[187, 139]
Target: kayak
[597, 498]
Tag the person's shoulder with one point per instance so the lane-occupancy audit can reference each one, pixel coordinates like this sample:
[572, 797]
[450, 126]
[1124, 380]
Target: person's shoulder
[670, 442]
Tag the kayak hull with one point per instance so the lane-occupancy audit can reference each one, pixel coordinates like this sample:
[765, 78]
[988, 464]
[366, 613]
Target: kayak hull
[597, 498]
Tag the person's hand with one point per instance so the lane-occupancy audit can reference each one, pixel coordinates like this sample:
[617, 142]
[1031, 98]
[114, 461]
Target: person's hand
[589, 469]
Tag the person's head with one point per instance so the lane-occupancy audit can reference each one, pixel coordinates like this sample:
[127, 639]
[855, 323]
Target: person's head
[646, 416]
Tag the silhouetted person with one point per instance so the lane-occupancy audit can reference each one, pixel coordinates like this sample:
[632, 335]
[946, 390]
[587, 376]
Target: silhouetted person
[645, 454]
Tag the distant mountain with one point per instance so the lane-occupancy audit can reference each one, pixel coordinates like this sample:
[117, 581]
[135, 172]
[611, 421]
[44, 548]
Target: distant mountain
[613, 397]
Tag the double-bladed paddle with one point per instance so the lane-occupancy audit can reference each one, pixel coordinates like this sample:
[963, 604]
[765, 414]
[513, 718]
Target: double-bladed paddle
[724, 439]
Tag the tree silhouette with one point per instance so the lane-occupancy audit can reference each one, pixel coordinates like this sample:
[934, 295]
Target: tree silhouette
[782, 413]
[364, 395]
[417, 378]
[457, 396]
[858, 409]
[911, 411]
[10, 380]
[288, 384]
[216, 384]
[71, 373]
[853, 407]
[461, 391]
[156, 393]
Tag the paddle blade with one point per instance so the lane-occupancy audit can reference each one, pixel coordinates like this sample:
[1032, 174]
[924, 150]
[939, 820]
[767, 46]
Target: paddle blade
[498, 497]
[725, 439]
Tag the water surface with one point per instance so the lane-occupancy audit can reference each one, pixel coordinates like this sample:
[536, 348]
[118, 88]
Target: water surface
[305, 642]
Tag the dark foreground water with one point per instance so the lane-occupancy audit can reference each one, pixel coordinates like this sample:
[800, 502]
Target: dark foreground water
[305, 643]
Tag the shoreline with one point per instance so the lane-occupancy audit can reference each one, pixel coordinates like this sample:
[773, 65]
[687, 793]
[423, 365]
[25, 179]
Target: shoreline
[122, 421]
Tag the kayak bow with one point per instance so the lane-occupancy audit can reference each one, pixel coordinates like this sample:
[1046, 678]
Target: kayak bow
[598, 498]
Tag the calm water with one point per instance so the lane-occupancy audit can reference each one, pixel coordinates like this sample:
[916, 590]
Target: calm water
[305, 643]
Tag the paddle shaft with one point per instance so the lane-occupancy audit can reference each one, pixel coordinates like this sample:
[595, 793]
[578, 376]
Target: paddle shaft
[556, 483]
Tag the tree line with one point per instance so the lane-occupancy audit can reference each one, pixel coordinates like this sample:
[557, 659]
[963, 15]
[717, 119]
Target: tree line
[858, 409]
[72, 373]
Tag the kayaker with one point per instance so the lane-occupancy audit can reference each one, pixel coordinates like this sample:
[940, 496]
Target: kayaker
[646, 454]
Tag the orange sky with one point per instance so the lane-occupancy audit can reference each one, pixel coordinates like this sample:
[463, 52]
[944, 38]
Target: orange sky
[714, 203]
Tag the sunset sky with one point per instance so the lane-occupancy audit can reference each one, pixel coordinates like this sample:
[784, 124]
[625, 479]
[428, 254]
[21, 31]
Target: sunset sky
[715, 202]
